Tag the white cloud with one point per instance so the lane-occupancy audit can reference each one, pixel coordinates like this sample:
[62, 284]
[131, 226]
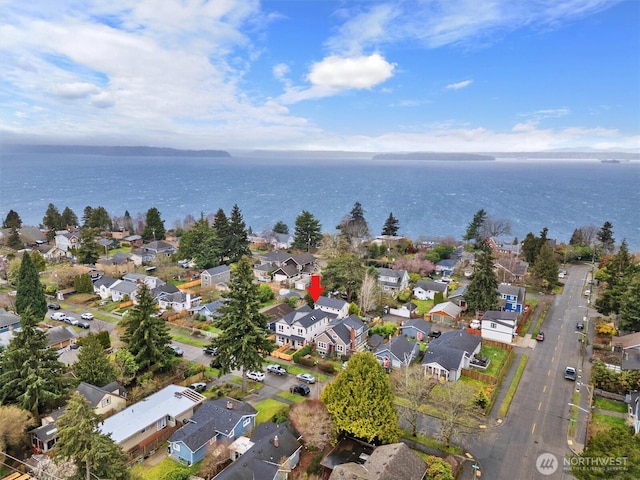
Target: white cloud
[459, 85]
[342, 73]
[74, 90]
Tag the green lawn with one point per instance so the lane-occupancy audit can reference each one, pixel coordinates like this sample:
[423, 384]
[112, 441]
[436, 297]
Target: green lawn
[423, 305]
[189, 340]
[497, 355]
[610, 405]
[292, 397]
[608, 420]
[162, 470]
[267, 409]
[506, 403]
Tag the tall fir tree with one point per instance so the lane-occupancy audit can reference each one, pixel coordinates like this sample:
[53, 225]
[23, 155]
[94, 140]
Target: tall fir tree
[354, 226]
[89, 250]
[68, 218]
[360, 401]
[154, 226]
[100, 219]
[201, 244]
[242, 343]
[605, 238]
[30, 292]
[14, 241]
[93, 365]
[52, 219]
[391, 226]
[281, 227]
[127, 222]
[146, 335]
[482, 292]
[221, 226]
[546, 267]
[237, 241]
[31, 375]
[96, 455]
[474, 228]
[12, 220]
[86, 216]
[307, 233]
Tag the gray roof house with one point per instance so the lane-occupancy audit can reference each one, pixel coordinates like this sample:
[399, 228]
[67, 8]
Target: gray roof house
[104, 400]
[60, 337]
[512, 297]
[121, 289]
[210, 310]
[395, 461]
[8, 321]
[215, 420]
[270, 454]
[344, 336]
[417, 328]
[448, 354]
[301, 326]
[215, 275]
[333, 305]
[426, 290]
[457, 297]
[102, 286]
[397, 352]
[393, 281]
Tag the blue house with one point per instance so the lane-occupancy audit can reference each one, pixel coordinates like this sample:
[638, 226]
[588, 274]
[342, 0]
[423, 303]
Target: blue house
[417, 328]
[215, 420]
[512, 298]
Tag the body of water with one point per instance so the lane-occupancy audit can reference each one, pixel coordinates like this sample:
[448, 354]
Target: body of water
[429, 198]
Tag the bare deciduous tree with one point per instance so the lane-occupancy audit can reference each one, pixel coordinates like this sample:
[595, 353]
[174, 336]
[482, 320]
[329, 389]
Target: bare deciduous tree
[332, 246]
[454, 400]
[48, 469]
[14, 422]
[414, 387]
[369, 296]
[494, 227]
[215, 460]
[314, 423]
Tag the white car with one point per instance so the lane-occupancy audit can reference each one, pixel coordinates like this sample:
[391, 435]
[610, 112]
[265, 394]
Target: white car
[277, 369]
[587, 293]
[307, 378]
[71, 320]
[256, 376]
[59, 316]
[87, 316]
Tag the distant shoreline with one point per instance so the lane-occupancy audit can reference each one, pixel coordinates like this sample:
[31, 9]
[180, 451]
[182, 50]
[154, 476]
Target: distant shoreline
[140, 151]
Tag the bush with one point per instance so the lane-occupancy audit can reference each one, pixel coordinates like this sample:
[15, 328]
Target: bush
[306, 361]
[327, 367]
[306, 350]
[314, 466]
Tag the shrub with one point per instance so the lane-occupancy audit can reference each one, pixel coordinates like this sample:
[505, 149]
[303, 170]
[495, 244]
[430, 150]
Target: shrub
[306, 361]
[306, 350]
[327, 367]
[315, 467]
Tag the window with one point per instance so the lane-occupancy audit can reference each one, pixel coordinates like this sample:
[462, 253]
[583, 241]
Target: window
[494, 325]
[246, 421]
[176, 446]
[340, 348]
[162, 423]
[322, 346]
[106, 401]
[280, 328]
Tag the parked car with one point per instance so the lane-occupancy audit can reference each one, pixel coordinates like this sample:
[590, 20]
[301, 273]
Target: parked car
[210, 350]
[256, 376]
[580, 325]
[103, 303]
[300, 389]
[570, 373]
[177, 350]
[74, 346]
[540, 336]
[435, 333]
[587, 293]
[198, 386]
[84, 325]
[87, 316]
[70, 320]
[54, 306]
[277, 369]
[306, 377]
[59, 316]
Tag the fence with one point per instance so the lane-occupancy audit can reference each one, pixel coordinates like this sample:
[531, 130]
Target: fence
[279, 353]
[176, 316]
[610, 395]
[187, 285]
[490, 379]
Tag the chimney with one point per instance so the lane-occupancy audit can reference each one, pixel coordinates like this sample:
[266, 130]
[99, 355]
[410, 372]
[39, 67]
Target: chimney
[229, 404]
[276, 442]
[352, 338]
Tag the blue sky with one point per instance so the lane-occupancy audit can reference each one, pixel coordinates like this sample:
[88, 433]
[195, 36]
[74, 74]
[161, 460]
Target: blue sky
[421, 75]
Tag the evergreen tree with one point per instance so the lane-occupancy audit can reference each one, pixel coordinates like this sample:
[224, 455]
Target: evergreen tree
[345, 274]
[221, 226]
[482, 292]
[237, 241]
[89, 249]
[100, 219]
[605, 237]
[577, 238]
[546, 267]
[360, 401]
[52, 219]
[154, 227]
[354, 226]
[615, 277]
[127, 222]
[307, 234]
[12, 220]
[474, 228]
[14, 241]
[95, 454]
[68, 218]
[86, 216]
[390, 226]
[200, 244]
[629, 318]
[530, 248]
[83, 283]
[93, 365]
[146, 336]
[281, 227]
[30, 374]
[30, 292]
[39, 263]
[242, 343]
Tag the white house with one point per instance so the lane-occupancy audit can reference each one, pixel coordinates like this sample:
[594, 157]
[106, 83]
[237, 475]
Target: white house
[301, 326]
[426, 290]
[121, 289]
[499, 325]
[335, 306]
[393, 281]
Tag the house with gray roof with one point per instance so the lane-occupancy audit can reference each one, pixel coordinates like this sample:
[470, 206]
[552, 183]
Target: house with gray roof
[512, 297]
[446, 266]
[416, 328]
[60, 338]
[393, 281]
[344, 336]
[8, 321]
[67, 240]
[333, 305]
[146, 425]
[394, 461]
[457, 297]
[447, 313]
[104, 400]
[499, 325]
[214, 421]
[102, 286]
[397, 352]
[448, 354]
[210, 310]
[215, 275]
[426, 290]
[121, 289]
[270, 454]
[301, 326]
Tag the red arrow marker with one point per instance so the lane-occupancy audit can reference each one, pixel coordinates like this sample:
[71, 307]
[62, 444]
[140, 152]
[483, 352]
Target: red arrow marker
[315, 290]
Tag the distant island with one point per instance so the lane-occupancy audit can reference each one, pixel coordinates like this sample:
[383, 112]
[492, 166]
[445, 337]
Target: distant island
[434, 156]
[115, 151]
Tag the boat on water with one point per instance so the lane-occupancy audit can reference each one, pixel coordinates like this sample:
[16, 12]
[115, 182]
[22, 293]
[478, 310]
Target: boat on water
[611, 160]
